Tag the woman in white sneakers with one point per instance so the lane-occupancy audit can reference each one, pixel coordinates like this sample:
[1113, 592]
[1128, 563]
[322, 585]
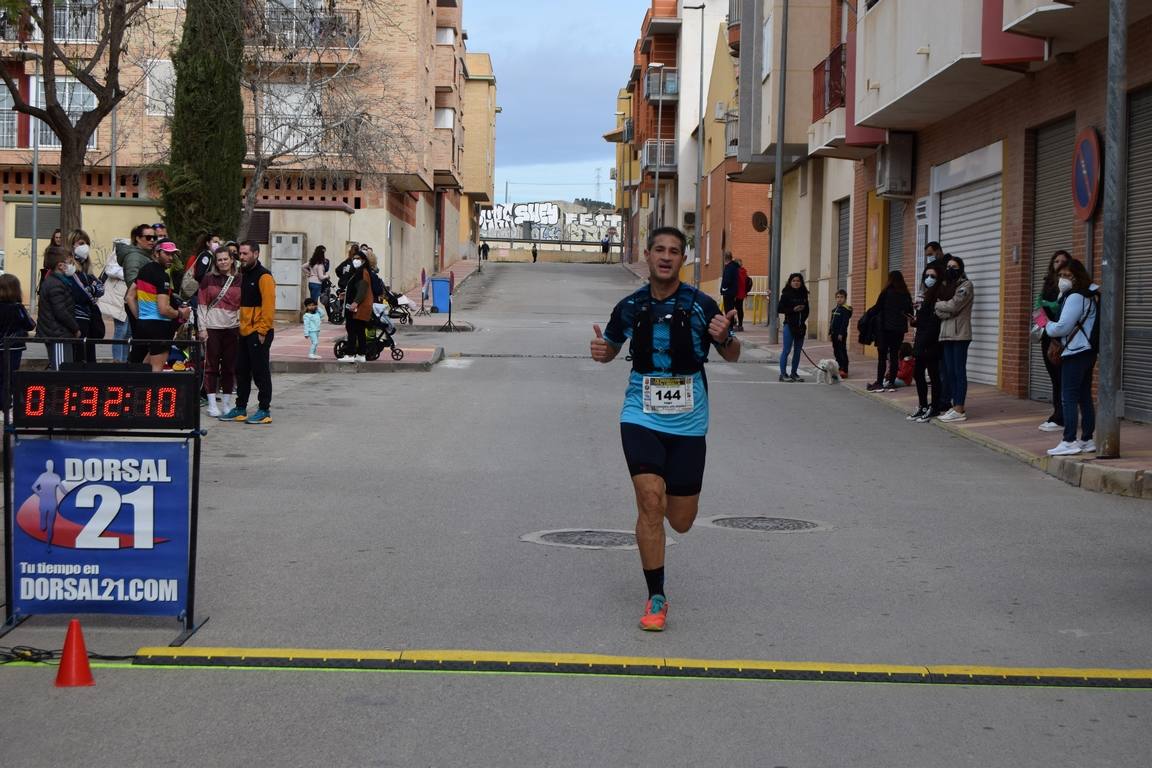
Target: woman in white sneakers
[1075, 330]
[954, 308]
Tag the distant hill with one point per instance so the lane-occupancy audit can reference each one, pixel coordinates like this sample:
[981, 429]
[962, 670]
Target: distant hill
[594, 206]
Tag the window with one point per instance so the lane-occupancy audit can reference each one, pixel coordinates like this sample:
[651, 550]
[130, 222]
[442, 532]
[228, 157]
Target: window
[7, 120]
[766, 64]
[445, 36]
[445, 117]
[162, 4]
[72, 20]
[75, 100]
[160, 87]
[292, 119]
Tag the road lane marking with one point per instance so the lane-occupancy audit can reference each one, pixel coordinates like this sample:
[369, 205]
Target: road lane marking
[521, 662]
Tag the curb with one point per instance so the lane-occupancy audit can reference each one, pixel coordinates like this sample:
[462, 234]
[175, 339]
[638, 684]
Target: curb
[380, 366]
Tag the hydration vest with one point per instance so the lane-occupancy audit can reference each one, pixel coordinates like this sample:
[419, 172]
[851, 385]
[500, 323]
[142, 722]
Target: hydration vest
[683, 350]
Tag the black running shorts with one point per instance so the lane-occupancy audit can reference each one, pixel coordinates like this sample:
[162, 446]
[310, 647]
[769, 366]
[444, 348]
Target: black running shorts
[679, 459]
[158, 334]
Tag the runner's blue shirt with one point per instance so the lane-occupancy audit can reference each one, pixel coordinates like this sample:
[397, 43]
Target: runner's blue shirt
[619, 330]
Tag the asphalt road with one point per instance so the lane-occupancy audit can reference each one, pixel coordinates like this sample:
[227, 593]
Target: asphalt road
[386, 512]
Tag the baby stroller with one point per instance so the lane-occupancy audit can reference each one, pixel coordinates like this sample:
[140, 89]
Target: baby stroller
[399, 306]
[379, 335]
[333, 302]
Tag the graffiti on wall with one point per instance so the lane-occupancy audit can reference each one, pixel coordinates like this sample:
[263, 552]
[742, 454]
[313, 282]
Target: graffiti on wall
[547, 221]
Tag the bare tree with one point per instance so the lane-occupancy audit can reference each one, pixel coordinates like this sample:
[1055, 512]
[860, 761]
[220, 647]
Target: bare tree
[313, 107]
[79, 46]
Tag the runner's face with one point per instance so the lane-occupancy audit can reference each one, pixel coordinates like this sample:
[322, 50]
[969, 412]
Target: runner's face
[665, 258]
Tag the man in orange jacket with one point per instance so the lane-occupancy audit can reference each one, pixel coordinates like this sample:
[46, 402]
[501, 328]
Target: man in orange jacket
[257, 319]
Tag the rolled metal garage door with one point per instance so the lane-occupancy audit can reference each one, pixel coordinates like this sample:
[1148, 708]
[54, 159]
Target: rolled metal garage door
[1137, 349]
[970, 227]
[1054, 215]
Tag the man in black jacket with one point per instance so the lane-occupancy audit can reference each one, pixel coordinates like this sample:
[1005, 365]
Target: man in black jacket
[729, 280]
[56, 313]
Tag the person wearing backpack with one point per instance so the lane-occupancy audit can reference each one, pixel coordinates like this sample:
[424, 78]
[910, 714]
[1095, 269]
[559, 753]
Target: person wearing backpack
[1076, 336]
[743, 286]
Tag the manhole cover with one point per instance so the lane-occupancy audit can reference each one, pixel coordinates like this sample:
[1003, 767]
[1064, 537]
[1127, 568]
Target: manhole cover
[586, 538]
[770, 524]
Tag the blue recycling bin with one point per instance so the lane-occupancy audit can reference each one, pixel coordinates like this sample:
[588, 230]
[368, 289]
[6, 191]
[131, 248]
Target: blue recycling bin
[441, 294]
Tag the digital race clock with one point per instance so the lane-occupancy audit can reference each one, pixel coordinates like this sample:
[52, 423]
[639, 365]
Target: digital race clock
[103, 400]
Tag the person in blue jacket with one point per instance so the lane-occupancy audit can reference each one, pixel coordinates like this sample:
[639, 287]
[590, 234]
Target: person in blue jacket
[1075, 329]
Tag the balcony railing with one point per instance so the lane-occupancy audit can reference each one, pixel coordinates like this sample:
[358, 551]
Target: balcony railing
[731, 134]
[733, 12]
[828, 84]
[7, 129]
[304, 135]
[306, 29]
[658, 154]
[663, 84]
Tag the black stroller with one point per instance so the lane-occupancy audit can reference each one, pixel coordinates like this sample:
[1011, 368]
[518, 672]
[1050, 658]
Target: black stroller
[379, 334]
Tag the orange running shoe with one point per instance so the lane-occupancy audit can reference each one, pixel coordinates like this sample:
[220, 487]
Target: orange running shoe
[655, 614]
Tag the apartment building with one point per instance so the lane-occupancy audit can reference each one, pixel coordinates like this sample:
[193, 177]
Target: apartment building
[400, 69]
[817, 194]
[479, 163]
[983, 106]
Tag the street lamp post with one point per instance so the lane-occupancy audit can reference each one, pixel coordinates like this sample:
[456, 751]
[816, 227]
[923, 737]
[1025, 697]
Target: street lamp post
[699, 152]
[659, 141]
[26, 54]
[778, 183]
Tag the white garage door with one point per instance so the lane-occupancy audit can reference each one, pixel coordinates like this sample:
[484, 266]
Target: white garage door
[970, 226]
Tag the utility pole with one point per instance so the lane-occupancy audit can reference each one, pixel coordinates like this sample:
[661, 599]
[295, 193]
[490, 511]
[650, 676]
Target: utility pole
[778, 185]
[1115, 209]
[699, 154]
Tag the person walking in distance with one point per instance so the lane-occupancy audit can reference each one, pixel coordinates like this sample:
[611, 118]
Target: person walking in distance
[535, 253]
[664, 421]
[257, 319]
[743, 286]
[838, 326]
[728, 280]
[484, 248]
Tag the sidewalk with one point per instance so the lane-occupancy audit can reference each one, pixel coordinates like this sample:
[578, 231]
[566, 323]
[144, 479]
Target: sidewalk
[290, 351]
[996, 420]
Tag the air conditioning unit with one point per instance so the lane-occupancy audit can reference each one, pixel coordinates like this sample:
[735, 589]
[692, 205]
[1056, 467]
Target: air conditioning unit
[689, 218]
[721, 111]
[894, 165]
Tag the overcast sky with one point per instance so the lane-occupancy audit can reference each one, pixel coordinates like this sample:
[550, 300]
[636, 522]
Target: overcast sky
[558, 67]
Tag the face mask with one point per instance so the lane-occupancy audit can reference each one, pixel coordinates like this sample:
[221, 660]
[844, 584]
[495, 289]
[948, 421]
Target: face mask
[357, 263]
[69, 269]
[929, 282]
[213, 247]
[1065, 285]
[80, 252]
[953, 273]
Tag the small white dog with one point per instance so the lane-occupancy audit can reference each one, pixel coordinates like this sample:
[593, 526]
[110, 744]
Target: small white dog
[827, 372]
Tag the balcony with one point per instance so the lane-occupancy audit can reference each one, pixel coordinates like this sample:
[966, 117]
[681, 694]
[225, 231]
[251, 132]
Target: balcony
[662, 85]
[1070, 26]
[828, 86]
[734, 26]
[444, 63]
[445, 169]
[731, 134]
[919, 62]
[661, 19]
[658, 156]
[303, 135]
[300, 32]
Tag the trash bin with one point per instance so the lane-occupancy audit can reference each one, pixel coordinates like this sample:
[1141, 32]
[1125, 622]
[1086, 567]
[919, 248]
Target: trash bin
[441, 294]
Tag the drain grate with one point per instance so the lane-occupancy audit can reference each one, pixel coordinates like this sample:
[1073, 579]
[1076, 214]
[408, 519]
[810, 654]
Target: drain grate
[586, 538]
[770, 524]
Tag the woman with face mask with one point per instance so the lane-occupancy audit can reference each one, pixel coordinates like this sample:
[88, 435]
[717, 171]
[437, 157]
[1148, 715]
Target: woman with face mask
[954, 308]
[1074, 328]
[926, 347]
[1049, 302]
[358, 308]
[87, 289]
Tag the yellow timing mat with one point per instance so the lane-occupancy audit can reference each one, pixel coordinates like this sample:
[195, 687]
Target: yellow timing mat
[515, 662]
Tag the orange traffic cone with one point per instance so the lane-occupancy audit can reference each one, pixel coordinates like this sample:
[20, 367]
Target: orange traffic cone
[74, 670]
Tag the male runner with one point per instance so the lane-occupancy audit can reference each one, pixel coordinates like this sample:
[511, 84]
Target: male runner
[665, 416]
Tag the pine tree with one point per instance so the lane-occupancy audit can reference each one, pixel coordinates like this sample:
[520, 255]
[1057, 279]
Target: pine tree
[204, 180]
